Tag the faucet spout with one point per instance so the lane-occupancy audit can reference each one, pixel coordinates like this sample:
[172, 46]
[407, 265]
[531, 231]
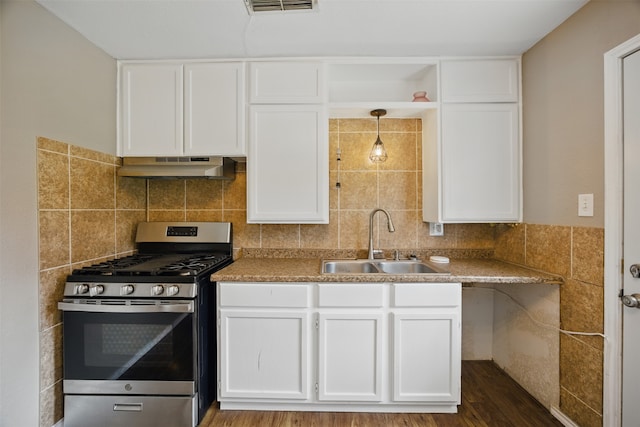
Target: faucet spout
[389, 226]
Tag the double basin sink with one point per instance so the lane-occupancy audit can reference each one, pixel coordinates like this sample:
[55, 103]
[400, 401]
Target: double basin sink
[373, 266]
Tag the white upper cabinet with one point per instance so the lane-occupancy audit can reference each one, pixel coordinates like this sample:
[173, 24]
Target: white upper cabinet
[490, 80]
[214, 109]
[175, 109]
[151, 110]
[472, 166]
[287, 164]
[288, 152]
[286, 82]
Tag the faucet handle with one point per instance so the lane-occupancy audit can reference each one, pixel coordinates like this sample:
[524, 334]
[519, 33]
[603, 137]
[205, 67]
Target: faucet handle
[396, 255]
[377, 254]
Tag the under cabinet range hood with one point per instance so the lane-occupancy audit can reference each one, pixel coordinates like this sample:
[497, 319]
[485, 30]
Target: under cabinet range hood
[178, 167]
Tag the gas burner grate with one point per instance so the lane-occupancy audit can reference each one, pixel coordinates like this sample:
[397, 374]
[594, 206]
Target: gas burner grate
[192, 266]
[151, 265]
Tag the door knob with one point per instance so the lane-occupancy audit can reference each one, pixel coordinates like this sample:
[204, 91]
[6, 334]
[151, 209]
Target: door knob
[632, 301]
[635, 270]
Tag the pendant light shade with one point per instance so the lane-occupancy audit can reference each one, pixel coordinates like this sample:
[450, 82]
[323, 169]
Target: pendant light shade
[378, 153]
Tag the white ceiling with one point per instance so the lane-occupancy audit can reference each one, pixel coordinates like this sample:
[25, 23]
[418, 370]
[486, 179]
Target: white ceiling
[162, 29]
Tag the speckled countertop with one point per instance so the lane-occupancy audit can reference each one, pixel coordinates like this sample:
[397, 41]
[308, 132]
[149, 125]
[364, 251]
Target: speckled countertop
[468, 271]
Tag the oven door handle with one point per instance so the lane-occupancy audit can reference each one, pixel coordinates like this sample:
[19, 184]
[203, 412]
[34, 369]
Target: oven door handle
[180, 307]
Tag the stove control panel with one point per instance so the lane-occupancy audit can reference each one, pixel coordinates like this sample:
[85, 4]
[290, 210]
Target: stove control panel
[130, 290]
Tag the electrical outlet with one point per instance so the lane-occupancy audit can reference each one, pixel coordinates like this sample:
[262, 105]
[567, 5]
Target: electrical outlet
[585, 204]
[436, 229]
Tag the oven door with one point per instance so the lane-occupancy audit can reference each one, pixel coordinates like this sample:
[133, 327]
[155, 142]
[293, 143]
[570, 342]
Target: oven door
[129, 347]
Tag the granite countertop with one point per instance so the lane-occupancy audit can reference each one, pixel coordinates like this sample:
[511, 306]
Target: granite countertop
[467, 271]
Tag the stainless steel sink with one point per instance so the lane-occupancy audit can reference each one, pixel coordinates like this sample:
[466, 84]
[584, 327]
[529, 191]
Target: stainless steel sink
[349, 267]
[407, 267]
[367, 266]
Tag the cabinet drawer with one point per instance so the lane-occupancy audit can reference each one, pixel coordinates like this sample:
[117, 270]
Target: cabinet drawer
[351, 295]
[285, 295]
[427, 294]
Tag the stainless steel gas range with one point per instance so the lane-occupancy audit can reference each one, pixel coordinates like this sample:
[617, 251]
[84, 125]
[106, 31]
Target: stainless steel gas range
[139, 332]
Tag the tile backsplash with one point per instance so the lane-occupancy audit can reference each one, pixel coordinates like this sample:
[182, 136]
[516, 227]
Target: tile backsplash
[85, 214]
[395, 185]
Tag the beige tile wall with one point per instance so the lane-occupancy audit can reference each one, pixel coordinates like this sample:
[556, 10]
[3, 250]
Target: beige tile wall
[577, 254]
[395, 185]
[85, 214]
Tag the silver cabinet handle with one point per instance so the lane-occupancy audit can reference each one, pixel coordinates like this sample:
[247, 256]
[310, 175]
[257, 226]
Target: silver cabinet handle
[635, 271]
[127, 407]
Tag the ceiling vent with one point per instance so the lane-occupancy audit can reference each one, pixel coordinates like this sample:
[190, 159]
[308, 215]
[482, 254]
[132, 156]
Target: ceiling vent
[255, 6]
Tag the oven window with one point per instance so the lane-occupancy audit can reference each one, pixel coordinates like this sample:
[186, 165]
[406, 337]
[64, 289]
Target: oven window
[129, 346]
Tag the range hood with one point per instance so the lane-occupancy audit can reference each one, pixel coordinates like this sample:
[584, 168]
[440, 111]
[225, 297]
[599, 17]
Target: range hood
[178, 167]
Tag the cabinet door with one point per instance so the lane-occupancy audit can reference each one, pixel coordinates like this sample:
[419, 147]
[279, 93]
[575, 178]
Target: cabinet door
[151, 110]
[350, 357]
[426, 357]
[480, 163]
[214, 109]
[287, 164]
[489, 80]
[263, 354]
[286, 83]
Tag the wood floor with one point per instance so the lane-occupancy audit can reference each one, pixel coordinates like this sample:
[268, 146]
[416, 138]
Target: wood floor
[490, 398]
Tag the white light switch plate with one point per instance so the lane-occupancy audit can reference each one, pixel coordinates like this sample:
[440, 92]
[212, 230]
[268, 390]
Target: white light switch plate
[585, 204]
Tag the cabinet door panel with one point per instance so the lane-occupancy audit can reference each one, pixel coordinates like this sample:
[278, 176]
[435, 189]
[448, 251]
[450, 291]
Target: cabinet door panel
[480, 163]
[286, 82]
[350, 357]
[151, 110]
[264, 355]
[287, 165]
[426, 354]
[214, 109]
[491, 80]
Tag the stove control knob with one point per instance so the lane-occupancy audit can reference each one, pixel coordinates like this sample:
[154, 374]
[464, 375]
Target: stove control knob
[157, 290]
[82, 289]
[96, 290]
[126, 290]
[173, 290]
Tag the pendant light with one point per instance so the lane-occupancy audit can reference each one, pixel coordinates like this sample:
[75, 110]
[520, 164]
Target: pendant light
[378, 153]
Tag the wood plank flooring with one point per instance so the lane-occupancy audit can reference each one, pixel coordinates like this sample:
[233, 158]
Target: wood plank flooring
[490, 398]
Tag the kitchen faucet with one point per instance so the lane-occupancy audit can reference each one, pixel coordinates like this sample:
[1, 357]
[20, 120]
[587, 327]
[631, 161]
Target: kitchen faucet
[389, 224]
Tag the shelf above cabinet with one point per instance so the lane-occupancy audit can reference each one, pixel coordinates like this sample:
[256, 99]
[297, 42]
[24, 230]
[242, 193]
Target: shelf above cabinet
[356, 88]
[395, 110]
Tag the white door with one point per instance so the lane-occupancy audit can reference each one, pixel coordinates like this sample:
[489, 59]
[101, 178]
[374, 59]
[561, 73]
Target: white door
[631, 284]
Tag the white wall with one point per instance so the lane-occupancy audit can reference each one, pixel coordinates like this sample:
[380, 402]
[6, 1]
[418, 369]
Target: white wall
[54, 83]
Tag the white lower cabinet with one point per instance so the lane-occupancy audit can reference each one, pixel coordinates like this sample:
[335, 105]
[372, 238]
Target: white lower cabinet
[375, 347]
[350, 357]
[264, 354]
[426, 342]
